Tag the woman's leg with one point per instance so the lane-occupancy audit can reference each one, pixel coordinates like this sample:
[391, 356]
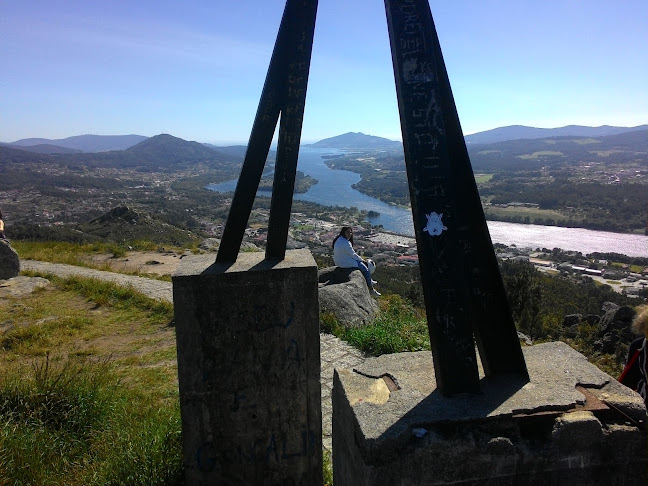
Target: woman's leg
[367, 275]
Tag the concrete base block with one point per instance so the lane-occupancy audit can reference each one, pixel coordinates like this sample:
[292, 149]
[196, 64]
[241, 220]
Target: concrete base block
[571, 424]
[249, 370]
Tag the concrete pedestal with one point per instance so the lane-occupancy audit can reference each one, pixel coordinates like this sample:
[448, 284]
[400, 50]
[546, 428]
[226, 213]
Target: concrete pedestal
[571, 424]
[249, 370]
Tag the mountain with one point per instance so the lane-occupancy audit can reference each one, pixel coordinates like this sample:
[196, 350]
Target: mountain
[525, 154]
[85, 143]
[518, 132]
[357, 140]
[237, 150]
[167, 147]
[46, 148]
[161, 152]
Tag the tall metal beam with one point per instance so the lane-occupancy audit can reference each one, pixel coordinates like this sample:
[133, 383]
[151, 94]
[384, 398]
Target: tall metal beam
[462, 285]
[297, 24]
[292, 117]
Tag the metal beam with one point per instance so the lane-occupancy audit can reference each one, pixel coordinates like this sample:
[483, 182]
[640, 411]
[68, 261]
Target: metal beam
[273, 98]
[462, 285]
[292, 117]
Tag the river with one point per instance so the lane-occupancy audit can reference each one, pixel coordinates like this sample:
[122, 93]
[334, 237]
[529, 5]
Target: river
[334, 189]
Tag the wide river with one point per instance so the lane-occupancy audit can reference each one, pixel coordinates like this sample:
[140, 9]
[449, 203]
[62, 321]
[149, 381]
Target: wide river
[334, 189]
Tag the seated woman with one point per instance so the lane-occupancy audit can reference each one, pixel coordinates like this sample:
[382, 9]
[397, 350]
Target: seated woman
[2, 235]
[345, 256]
[635, 374]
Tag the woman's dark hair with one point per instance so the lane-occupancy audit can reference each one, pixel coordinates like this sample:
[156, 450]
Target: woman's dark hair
[342, 231]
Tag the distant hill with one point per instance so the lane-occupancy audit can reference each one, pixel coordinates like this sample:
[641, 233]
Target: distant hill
[45, 148]
[158, 153]
[627, 147]
[85, 143]
[127, 224]
[357, 140]
[169, 148]
[237, 150]
[519, 132]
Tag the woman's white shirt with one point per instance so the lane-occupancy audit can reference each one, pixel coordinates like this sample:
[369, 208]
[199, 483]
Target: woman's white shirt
[343, 254]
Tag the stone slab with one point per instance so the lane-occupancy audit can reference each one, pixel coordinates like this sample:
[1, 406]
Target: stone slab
[249, 369]
[391, 424]
[246, 262]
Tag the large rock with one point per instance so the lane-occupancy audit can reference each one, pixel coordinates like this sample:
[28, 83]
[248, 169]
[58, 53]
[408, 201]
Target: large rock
[9, 261]
[614, 327]
[344, 293]
[616, 318]
[572, 320]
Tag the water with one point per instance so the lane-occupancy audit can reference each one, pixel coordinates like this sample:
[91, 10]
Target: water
[334, 189]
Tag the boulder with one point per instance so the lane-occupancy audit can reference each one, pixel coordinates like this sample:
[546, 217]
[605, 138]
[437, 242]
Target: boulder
[592, 319]
[9, 261]
[616, 318]
[209, 244]
[607, 344]
[344, 293]
[572, 320]
[524, 339]
[570, 325]
[20, 286]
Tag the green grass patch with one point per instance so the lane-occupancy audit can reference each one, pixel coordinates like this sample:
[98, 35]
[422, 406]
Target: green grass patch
[72, 422]
[522, 212]
[85, 417]
[107, 293]
[606, 153]
[541, 153]
[398, 327]
[63, 252]
[483, 178]
[585, 141]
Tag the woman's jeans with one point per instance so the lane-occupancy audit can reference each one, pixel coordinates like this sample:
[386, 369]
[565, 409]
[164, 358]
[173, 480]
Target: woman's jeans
[365, 271]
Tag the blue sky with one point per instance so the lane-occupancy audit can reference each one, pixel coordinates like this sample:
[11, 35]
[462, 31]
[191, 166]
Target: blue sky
[195, 69]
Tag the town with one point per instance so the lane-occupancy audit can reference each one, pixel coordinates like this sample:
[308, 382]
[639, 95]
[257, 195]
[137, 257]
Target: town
[387, 249]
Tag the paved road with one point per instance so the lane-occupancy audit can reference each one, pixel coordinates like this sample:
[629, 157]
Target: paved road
[334, 353]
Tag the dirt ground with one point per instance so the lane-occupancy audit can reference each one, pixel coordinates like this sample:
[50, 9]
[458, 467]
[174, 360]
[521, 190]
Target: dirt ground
[159, 263]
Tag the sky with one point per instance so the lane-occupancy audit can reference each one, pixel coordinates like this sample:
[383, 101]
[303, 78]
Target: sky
[195, 69]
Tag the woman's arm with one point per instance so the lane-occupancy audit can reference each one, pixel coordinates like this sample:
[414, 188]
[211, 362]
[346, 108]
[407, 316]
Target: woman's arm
[351, 252]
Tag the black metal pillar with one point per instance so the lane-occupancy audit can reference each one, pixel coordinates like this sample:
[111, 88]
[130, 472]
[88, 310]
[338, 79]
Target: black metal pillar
[284, 87]
[290, 128]
[462, 285]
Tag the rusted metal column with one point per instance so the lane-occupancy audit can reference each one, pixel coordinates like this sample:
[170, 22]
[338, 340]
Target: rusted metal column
[462, 285]
[298, 21]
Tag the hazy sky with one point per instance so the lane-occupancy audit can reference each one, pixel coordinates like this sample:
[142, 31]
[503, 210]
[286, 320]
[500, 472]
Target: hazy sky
[195, 69]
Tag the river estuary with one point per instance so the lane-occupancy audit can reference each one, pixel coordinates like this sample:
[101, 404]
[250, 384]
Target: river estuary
[334, 189]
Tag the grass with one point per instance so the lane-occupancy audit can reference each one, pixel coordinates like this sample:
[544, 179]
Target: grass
[88, 389]
[483, 178]
[82, 254]
[542, 153]
[522, 212]
[62, 252]
[72, 422]
[88, 392]
[398, 327]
